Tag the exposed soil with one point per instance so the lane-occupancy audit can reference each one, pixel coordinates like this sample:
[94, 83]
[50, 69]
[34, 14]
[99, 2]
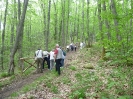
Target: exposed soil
[20, 82]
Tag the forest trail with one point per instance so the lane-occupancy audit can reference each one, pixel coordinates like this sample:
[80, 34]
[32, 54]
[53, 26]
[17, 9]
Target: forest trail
[16, 85]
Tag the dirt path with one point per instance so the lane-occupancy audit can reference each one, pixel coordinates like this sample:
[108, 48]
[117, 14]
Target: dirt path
[17, 85]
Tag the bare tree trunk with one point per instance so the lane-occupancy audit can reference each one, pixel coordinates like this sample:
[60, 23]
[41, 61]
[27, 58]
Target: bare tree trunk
[3, 36]
[100, 28]
[63, 23]
[43, 6]
[131, 20]
[48, 26]
[19, 10]
[99, 18]
[18, 37]
[20, 47]
[56, 25]
[67, 27]
[88, 32]
[0, 37]
[82, 34]
[113, 7]
[107, 23]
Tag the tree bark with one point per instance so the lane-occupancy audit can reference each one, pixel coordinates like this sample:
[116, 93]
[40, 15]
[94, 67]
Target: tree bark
[18, 37]
[63, 23]
[106, 22]
[114, 12]
[82, 34]
[48, 26]
[19, 10]
[67, 24]
[55, 20]
[88, 32]
[3, 36]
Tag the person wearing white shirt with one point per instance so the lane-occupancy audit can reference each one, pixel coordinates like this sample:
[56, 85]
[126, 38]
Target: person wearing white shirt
[39, 60]
[51, 59]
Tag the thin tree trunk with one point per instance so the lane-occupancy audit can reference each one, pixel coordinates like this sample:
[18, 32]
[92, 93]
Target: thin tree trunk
[100, 28]
[113, 7]
[3, 36]
[63, 23]
[88, 32]
[55, 19]
[48, 26]
[67, 27]
[45, 22]
[106, 22]
[18, 37]
[20, 47]
[19, 10]
[82, 34]
[0, 36]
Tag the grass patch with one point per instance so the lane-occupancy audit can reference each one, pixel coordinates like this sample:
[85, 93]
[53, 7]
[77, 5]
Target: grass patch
[78, 76]
[65, 80]
[78, 94]
[72, 68]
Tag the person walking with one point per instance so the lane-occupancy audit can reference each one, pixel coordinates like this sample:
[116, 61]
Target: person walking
[63, 57]
[39, 60]
[58, 57]
[51, 59]
[45, 58]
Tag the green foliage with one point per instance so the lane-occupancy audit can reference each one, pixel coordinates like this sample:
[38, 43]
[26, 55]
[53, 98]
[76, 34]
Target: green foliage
[78, 94]
[73, 68]
[65, 80]
[4, 74]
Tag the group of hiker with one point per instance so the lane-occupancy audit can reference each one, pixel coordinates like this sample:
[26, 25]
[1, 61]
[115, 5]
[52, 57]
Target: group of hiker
[53, 58]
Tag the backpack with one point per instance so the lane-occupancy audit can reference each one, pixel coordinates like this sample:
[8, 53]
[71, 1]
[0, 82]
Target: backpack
[64, 53]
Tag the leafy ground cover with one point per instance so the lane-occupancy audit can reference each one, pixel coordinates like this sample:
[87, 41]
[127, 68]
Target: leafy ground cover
[84, 76]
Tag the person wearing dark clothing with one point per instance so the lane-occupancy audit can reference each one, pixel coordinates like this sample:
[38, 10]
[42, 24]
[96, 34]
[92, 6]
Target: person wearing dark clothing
[75, 48]
[48, 61]
[45, 58]
[72, 48]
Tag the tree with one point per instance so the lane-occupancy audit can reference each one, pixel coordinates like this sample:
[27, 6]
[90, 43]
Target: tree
[18, 37]
[3, 35]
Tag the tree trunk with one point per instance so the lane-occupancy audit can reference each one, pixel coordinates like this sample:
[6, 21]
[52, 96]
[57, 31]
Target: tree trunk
[56, 25]
[67, 24]
[45, 22]
[19, 10]
[20, 47]
[48, 26]
[82, 34]
[88, 32]
[18, 37]
[63, 23]
[3, 36]
[113, 7]
[106, 22]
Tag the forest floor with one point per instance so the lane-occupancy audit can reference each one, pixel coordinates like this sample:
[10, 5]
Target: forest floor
[84, 76]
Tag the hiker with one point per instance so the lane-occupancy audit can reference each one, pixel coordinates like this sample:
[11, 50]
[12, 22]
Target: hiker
[48, 61]
[71, 46]
[58, 57]
[39, 60]
[75, 48]
[81, 45]
[51, 59]
[67, 48]
[45, 58]
[63, 57]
